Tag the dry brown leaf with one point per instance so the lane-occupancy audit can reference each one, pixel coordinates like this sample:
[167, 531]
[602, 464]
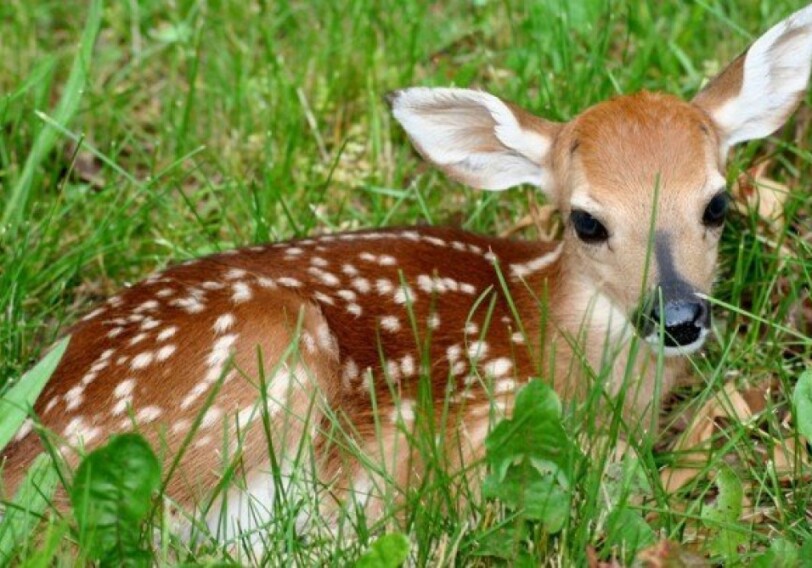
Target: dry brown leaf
[754, 191]
[543, 217]
[693, 445]
[667, 554]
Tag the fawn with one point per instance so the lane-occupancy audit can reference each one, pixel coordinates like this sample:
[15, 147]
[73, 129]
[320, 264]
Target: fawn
[328, 339]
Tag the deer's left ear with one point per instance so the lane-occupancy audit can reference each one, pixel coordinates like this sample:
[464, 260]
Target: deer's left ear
[477, 138]
[758, 92]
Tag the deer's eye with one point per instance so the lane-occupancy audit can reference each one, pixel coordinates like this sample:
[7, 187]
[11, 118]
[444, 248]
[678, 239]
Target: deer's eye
[715, 211]
[588, 229]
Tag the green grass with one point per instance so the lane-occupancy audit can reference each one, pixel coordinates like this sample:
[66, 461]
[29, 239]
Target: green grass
[200, 126]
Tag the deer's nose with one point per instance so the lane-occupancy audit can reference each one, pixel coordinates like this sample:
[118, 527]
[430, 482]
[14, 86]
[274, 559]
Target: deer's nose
[683, 320]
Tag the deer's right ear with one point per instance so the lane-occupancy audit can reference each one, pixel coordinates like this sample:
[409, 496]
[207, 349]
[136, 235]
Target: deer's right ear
[477, 138]
[758, 92]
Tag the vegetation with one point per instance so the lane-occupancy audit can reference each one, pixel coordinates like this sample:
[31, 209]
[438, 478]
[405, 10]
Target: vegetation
[142, 133]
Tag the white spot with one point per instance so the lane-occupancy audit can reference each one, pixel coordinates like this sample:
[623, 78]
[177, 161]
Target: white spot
[89, 378]
[74, 397]
[466, 288]
[453, 353]
[349, 373]
[319, 261]
[150, 323]
[498, 367]
[367, 256]
[121, 406]
[241, 292]
[410, 235]
[392, 370]
[504, 386]
[323, 298]
[471, 328]
[50, 406]
[266, 282]
[407, 366]
[181, 426]
[325, 339]
[190, 305]
[212, 416]
[167, 333]
[121, 360]
[148, 414]
[390, 323]
[222, 324]
[537, 264]
[477, 349]
[203, 441]
[124, 388]
[362, 285]
[165, 352]
[142, 360]
[138, 338]
[354, 309]
[93, 314]
[433, 321]
[293, 251]
[289, 282]
[347, 295]
[211, 285]
[221, 350]
[404, 295]
[490, 257]
[387, 260]
[235, 274]
[25, 429]
[147, 306]
[403, 411]
[115, 332]
[474, 249]
[349, 270]
[434, 240]
[384, 286]
[326, 278]
[309, 341]
[458, 368]
[517, 338]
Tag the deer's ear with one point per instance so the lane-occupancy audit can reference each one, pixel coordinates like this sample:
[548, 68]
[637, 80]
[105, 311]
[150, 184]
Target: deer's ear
[477, 138]
[757, 93]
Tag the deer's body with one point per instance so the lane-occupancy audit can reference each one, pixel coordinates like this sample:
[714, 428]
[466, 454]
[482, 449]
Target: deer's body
[347, 341]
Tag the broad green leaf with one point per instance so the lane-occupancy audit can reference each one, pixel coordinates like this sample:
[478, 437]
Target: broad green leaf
[111, 498]
[802, 399]
[20, 398]
[389, 551]
[25, 511]
[782, 554]
[530, 457]
[627, 532]
[724, 516]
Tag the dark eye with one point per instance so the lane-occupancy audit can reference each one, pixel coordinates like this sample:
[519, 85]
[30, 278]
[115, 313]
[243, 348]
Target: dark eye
[588, 229]
[715, 211]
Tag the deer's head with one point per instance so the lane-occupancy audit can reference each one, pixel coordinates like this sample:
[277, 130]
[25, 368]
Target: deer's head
[639, 179]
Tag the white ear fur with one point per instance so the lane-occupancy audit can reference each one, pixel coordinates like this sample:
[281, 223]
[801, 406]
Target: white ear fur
[773, 79]
[475, 137]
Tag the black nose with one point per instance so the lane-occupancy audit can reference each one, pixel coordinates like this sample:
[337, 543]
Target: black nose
[683, 322]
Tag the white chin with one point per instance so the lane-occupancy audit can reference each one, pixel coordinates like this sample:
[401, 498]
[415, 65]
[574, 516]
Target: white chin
[680, 350]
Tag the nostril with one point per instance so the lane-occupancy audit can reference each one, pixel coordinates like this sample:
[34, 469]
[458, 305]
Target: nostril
[683, 320]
